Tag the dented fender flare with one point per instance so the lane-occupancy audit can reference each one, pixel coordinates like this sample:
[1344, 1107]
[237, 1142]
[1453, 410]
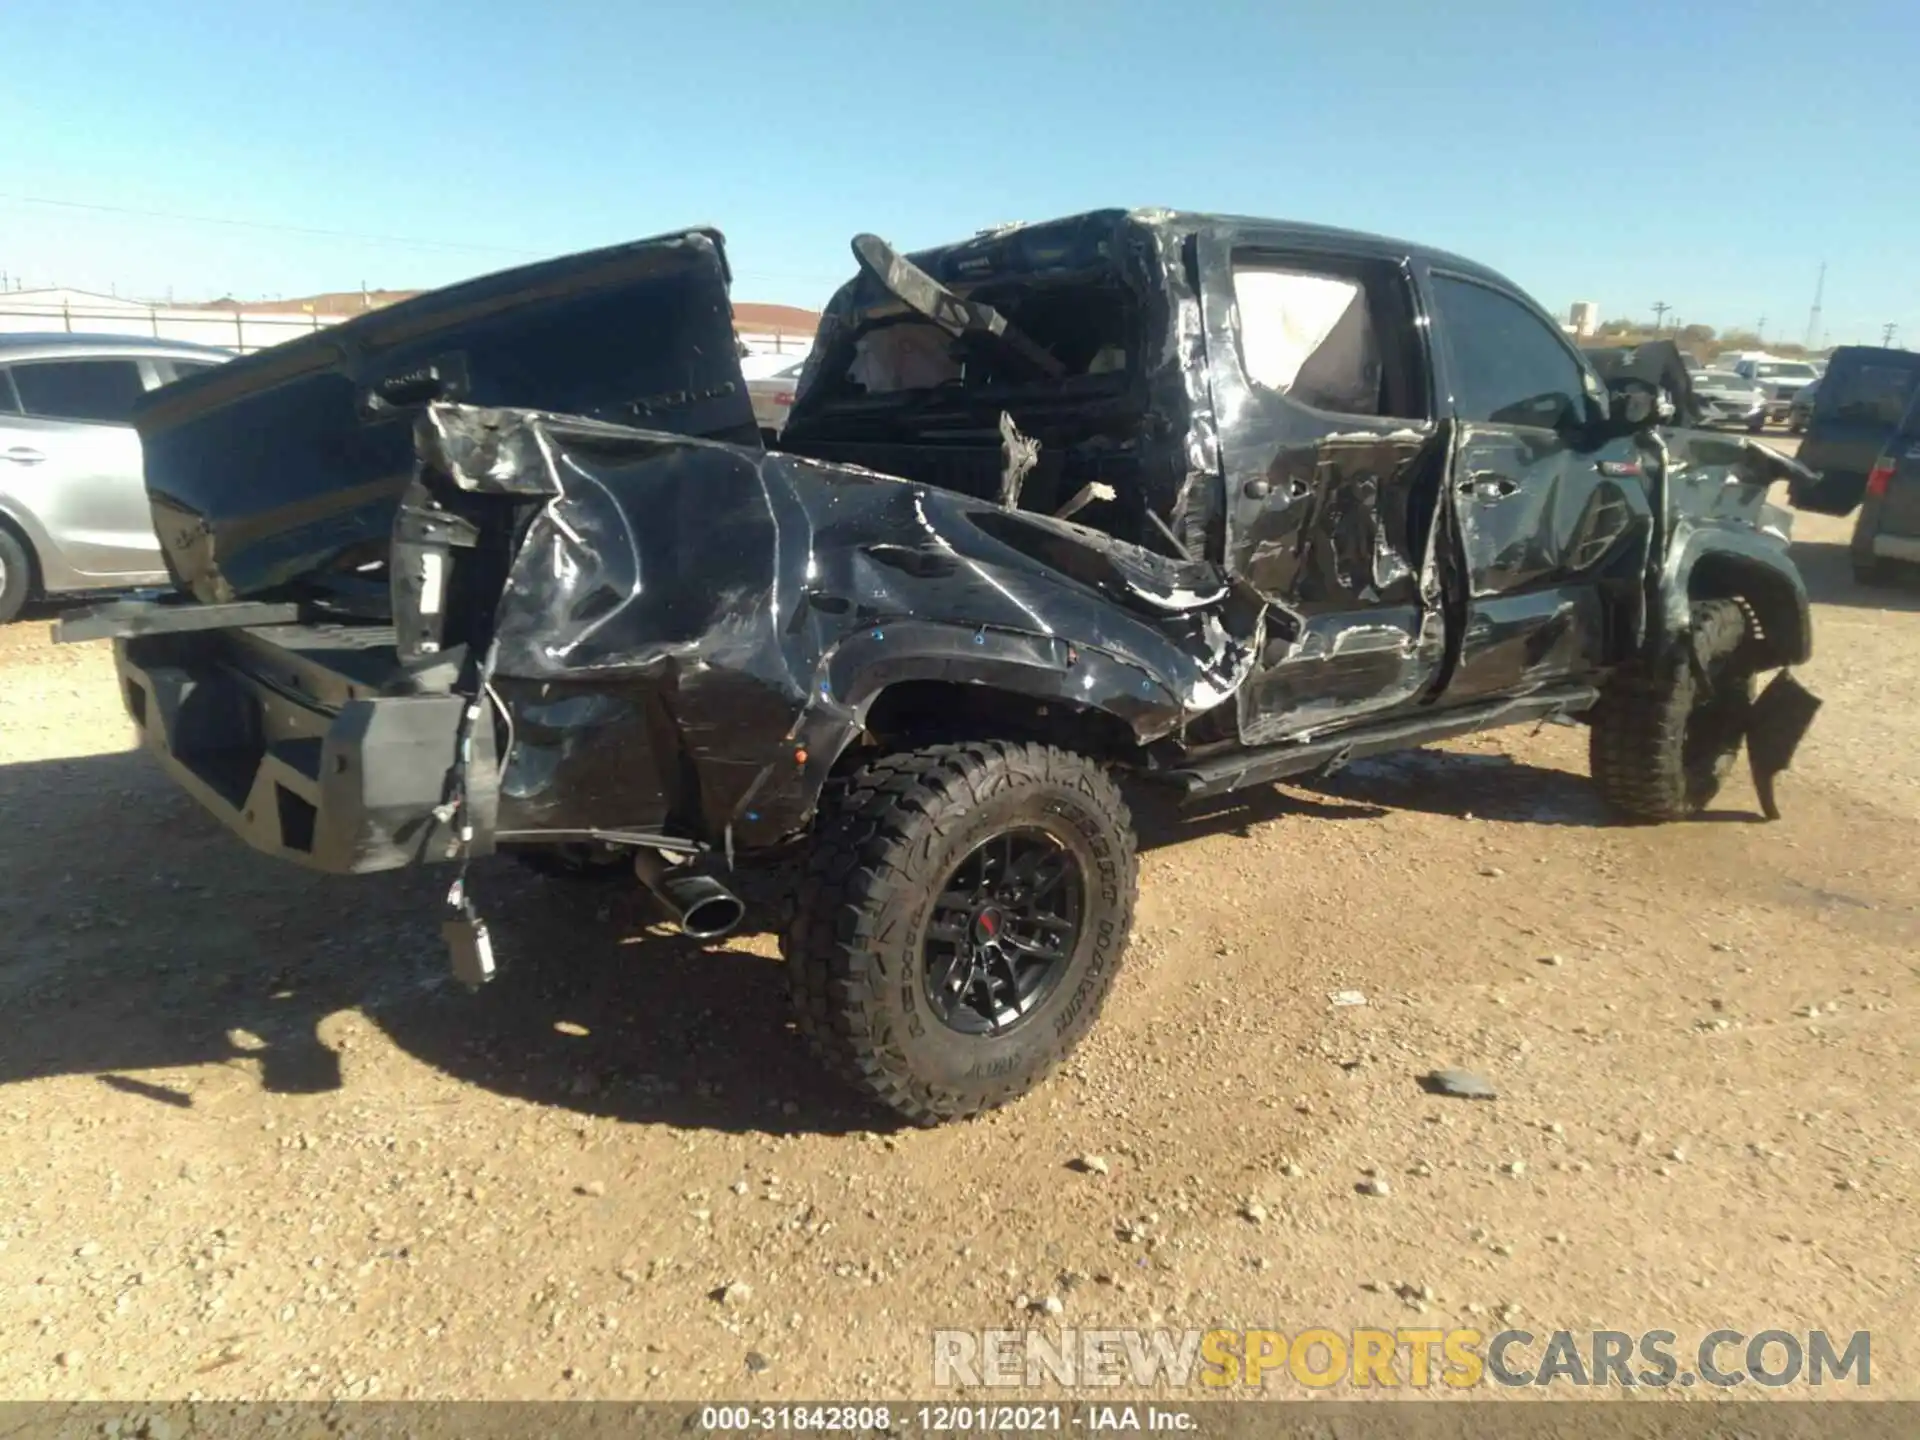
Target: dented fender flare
[1712, 563]
[863, 667]
[1035, 667]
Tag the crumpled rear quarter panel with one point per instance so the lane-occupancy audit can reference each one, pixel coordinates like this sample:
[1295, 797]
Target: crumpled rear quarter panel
[692, 632]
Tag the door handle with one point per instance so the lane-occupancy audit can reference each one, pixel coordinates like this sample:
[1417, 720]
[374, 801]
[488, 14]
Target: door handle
[1487, 485]
[24, 455]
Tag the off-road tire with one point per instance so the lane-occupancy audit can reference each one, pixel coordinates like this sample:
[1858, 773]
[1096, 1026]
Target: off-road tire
[16, 575]
[886, 841]
[1757, 427]
[1666, 731]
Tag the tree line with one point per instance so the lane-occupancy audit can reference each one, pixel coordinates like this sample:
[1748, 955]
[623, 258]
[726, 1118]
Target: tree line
[1699, 340]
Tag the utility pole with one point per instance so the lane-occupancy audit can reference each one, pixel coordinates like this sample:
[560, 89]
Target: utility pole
[1813, 315]
[1660, 308]
[1887, 332]
[1760, 329]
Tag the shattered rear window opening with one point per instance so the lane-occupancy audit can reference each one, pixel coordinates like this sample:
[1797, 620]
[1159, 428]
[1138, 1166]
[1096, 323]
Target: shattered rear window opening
[1087, 326]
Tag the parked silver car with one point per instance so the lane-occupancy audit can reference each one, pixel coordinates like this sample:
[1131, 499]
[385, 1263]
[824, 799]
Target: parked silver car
[1779, 380]
[1727, 398]
[772, 395]
[73, 499]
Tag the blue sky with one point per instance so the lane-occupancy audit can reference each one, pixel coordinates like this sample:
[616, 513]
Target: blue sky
[1708, 155]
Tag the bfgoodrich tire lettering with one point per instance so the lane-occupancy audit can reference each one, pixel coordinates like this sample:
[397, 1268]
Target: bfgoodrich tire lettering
[856, 944]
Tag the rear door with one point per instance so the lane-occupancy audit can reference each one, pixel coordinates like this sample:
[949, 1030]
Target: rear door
[73, 458]
[1323, 396]
[1551, 530]
[1860, 402]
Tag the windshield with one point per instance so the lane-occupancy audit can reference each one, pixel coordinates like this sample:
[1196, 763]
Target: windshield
[1721, 380]
[1774, 370]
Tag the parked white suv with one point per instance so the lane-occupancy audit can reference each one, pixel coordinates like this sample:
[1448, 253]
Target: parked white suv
[73, 498]
[1779, 381]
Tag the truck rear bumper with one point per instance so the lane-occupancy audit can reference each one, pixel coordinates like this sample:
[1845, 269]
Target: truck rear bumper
[275, 732]
[1897, 547]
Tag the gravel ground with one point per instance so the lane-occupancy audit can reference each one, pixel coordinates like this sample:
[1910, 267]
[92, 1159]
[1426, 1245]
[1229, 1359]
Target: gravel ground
[255, 1144]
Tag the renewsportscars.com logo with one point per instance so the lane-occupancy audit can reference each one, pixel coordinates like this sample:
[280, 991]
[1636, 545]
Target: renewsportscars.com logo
[1414, 1359]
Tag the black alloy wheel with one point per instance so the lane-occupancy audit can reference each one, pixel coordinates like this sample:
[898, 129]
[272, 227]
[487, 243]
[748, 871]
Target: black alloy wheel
[963, 912]
[1004, 926]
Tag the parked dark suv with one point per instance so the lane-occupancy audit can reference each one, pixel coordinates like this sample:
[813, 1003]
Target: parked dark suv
[1886, 537]
[1861, 400]
[1203, 500]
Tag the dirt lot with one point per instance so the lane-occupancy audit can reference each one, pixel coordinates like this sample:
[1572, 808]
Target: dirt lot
[255, 1144]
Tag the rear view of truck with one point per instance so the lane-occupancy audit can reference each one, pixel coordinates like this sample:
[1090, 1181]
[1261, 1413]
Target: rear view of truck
[1886, 537]
[320, 679]
[1861, 399]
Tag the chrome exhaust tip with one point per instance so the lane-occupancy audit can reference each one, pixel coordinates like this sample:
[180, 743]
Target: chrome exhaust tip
[701, 906]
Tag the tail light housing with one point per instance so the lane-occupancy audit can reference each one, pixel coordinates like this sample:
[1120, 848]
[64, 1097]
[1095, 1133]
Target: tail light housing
[785, 397]
[1879, 477]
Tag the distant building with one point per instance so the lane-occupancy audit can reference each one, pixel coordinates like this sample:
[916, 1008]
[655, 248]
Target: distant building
[774, 329]
[1584, 318]
[54, 310]
[82, 312]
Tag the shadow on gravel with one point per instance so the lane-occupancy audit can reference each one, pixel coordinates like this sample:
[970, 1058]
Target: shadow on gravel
[1463, 786]
[139, 941]
[1470, 786]
[1160, 819]
[40, 612]
[1828, 572]
[1486, 787]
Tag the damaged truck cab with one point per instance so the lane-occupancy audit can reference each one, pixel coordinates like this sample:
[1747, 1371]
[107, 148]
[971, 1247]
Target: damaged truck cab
[1204, 500]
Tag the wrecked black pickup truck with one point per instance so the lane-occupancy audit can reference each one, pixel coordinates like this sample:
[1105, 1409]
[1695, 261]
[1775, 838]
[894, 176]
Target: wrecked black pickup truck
[1201, 500]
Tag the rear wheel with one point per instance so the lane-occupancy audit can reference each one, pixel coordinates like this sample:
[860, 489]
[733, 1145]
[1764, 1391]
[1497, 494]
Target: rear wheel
[962, 917]
[1666, 732]
[16, 575]
[1874, 572]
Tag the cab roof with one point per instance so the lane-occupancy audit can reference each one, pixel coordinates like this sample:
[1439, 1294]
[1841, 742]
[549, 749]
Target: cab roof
[1072, 237]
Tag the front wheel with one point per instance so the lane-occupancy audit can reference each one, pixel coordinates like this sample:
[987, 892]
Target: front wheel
[16, 575]
[1667, 731]
[962, 917]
